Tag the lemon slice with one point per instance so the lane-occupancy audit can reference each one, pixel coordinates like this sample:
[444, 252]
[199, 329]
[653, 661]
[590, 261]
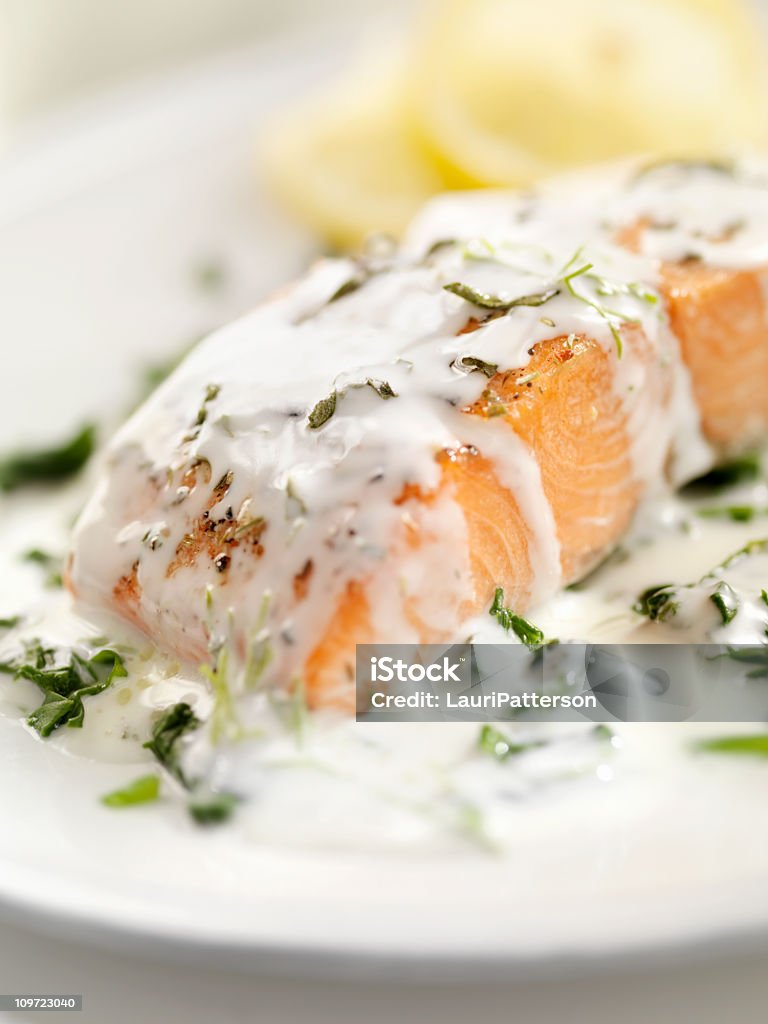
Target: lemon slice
[504, 91]
[345, 163]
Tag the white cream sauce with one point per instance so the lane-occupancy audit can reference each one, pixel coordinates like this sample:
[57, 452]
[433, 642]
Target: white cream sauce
[331, 781]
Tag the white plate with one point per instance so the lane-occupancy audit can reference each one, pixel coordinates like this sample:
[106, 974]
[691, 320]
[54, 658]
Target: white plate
[102, 222]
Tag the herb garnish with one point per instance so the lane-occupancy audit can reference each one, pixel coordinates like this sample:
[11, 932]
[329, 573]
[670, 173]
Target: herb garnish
[64, 686]
[350, 285]
[323, 411]
[657, 603]
[468, 364]
[212, 808]
[206, 807]
[740, 470]
[486, 301]
[662, 602]
[492, 741]
[755, 745]
[46, 560]
[166, 733]
[525, 631]
[326, 407]
[737, 513]
[726, 602]
[145, 790]
[11, 622]
[47, 465]
[607, 314]
[757, 655]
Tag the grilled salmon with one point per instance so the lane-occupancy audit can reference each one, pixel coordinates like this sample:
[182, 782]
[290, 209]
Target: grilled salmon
[368, 456]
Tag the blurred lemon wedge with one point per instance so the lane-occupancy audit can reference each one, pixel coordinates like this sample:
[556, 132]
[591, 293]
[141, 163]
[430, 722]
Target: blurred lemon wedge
[345, 163]
[504, 91]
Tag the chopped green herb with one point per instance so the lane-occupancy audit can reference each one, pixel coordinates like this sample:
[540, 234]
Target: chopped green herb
[752, 547]
[608, 315]
[737, 513]
[326, 407]
[174, 723]
[525, 631]
[663, 602]
[142, 791]
[257, 523]
[764, 596]
[438, 246]
[468, 364]
[46, 560]
[211, 393]
[349, 286]
[492, 741]
[658, 602]
[11, 622]
[726, 602]
[603, 732]
[224, 721]
[39, 557]
[737, 471]
[64, 686]
[757, 655]
[486, 301]
[323, 411]
[751, 746]
[47, 465]
[213, 808]
[381, 387]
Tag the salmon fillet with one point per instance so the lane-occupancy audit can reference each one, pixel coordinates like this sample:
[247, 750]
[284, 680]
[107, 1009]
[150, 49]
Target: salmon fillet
[368, 457]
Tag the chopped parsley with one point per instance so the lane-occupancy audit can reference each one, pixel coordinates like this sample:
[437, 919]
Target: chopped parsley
[493, 742]
[607, 314]
[486, 301]
[658, 603]
[468, 364]
[755, 745]
[350, 285]
[737, 471]
[145, 790]
[323, 411]
[212, 808]
[47, 465]
[381, 387]
[326, 407]
[525, 631]
[205, 807]
[736, 513]
[52, 564]
[64, 686]
[662, 602]
[756, 655]
[726, 602]
[174, 723]
[10, 622]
